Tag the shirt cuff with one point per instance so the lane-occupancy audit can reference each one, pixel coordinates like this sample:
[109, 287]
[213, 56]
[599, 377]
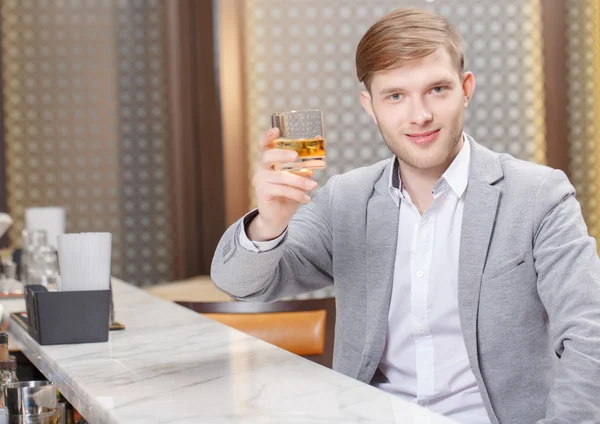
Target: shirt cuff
[257, 246]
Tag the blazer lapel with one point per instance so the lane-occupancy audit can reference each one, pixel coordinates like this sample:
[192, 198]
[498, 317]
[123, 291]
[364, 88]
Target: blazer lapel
[381, 239]
[479, 216]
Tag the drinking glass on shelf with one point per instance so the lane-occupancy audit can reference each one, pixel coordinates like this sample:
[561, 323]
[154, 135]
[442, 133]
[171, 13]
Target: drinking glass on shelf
[31, 240]
[43, 268]
[34, 238]
[302, 131]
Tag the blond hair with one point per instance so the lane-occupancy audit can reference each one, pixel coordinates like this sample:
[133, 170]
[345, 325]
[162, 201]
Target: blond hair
[405, 34]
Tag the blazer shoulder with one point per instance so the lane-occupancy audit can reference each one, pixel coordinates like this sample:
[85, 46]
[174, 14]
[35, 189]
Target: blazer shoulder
[363, 178]
[353, 187]
[529, 176]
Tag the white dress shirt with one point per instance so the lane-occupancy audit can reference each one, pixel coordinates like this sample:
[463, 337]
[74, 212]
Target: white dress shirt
[425, 358]
[258, 246]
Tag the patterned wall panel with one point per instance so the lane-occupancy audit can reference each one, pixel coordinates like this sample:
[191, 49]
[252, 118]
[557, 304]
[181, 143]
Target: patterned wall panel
[583, 57]
[61, 119]
[301, 55]
[143, 133]
[84, 108]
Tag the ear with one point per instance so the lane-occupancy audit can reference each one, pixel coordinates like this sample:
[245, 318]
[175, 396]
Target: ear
[468, 86]
[367, 104]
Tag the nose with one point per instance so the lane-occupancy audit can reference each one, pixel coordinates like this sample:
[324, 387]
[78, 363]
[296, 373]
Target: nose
[420, 113]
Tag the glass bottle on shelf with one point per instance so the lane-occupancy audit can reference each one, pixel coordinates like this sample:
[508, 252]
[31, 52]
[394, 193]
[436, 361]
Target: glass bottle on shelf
[8, 367]
[4, 347]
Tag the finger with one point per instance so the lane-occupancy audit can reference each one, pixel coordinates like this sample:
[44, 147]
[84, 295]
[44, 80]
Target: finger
[273, 191]
[266, 141]
[308, 164]
[273, 156]
[289, 179]
[306, 173]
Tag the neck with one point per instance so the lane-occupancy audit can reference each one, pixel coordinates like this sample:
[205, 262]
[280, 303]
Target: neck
[419, 182]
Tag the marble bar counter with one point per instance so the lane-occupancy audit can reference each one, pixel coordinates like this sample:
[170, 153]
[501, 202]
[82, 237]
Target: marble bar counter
[172, 365]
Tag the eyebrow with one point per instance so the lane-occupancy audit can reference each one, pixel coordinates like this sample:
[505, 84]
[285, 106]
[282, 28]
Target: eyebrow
[442, 81]
[392, 90]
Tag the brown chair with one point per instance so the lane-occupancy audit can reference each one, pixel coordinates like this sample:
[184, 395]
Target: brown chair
[303, 327]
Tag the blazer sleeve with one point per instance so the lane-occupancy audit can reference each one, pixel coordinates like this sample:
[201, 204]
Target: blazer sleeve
[301, 263]
[568, 268]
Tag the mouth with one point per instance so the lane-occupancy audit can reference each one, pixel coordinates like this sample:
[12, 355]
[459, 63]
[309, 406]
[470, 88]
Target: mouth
[424, 137]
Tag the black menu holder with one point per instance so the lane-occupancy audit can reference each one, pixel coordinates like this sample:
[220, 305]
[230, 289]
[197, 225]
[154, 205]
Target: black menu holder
[67, 317]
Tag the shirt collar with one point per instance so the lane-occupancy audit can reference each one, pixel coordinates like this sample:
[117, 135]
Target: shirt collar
[456, 176]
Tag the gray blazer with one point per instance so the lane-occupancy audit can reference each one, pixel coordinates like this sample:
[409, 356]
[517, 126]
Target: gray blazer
[529, 282]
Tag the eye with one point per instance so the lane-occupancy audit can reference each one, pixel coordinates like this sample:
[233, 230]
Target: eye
[439, 89]
[395, 97]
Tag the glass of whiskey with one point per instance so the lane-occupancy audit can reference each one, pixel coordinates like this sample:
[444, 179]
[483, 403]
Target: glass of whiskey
[302, 131]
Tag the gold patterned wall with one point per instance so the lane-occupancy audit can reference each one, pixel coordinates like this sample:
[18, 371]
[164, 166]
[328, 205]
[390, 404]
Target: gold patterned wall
[85, 123]
[583, 67]
[300, 54]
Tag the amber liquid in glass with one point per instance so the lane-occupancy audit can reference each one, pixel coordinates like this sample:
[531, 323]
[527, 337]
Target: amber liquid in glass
[311, 153]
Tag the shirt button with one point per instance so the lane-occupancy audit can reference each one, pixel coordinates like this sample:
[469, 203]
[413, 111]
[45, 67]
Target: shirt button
[420, 274]
[420, 329]
[424, 377]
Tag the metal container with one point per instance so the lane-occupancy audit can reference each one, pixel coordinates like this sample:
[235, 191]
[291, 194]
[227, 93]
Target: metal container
[31, 402]
[48, 418]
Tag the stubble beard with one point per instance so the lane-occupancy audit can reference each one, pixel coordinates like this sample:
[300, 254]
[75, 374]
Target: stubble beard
[435, 155]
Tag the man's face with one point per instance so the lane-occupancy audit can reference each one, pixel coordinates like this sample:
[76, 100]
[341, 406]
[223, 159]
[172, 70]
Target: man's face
[419, 108]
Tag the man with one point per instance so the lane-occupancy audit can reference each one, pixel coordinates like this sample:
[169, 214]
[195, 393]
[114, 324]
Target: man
[465, 279]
